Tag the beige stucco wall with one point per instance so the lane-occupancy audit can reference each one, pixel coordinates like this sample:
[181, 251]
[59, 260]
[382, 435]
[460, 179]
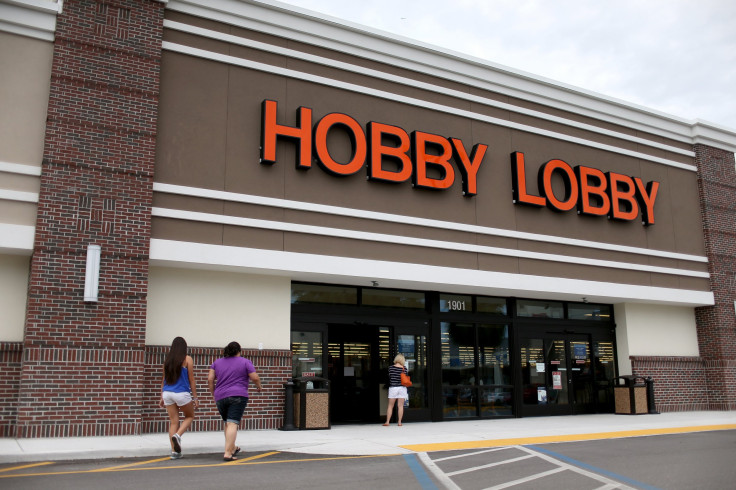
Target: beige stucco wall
[25, 76]
[652, 330]
[211, 308]
[13, 296]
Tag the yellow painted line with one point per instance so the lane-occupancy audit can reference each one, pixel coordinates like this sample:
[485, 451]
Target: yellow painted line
[139, 463]
[257, 456]
[14, 468]
[178, 466]
[328, 458]
[522, 441]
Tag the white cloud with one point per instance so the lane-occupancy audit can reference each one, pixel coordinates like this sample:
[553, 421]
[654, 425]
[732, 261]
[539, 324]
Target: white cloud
[674, 56]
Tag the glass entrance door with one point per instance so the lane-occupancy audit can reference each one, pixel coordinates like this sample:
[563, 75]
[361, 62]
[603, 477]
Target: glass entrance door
[582, 386]
[411, 341]
[556, 377]
[358, 357]
[476, 372]
[352, 368]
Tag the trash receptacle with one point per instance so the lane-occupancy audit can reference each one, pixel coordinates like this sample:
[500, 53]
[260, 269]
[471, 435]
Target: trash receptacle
[311, 403]
[631, 397]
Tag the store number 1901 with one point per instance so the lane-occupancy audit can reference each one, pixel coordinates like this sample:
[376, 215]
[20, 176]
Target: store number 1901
[456, 305]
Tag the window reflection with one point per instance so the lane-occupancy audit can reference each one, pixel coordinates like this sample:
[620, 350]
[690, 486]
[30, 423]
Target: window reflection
[414, 350]
[476, 370]
[317, 293]
[539, 309]
[585, 311]
[306, 353]
[393, 298]
[496, 306]
[494, 362]
[604, 372]
[458, 356]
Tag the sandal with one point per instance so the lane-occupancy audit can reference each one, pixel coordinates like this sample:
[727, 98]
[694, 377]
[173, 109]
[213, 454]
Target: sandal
[237, 450]
[231, 458]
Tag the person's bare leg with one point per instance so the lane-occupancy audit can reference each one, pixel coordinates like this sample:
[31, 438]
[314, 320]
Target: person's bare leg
[231, 433]
[173, 411]
[188, 411]
[400, 404]
[390, 409]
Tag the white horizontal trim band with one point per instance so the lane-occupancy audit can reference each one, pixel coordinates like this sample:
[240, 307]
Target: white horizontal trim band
[30, 18]
[417, 242]
[17, 168]
[240, 41]
[15, 238]
[232, 60]
[347, 270]
[21, 196]
[410, 220]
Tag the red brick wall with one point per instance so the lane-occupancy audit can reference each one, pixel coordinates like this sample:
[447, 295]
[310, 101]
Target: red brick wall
[717, 324]
[82, 367]
[10, 363]
[265, 409]
[679, 382]
[707, 382]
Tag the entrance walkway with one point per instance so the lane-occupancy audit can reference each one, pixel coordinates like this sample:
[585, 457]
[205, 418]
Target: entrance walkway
[375, 439]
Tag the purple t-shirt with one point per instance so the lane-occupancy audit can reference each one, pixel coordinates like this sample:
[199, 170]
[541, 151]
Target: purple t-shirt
[231, 376]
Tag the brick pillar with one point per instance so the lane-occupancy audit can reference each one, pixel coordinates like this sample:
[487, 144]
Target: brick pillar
[717, 324]
[83, 363]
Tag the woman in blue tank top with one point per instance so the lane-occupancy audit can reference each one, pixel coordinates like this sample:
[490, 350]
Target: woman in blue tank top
[178, 392]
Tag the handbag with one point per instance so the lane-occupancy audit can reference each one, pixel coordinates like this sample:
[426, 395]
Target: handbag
[405, 380]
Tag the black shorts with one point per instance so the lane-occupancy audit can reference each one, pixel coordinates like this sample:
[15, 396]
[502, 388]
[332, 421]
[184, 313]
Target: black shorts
[231, 408]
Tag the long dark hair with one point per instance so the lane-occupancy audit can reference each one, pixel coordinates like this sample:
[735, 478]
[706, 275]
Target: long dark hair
[232, 349]
[174, 360]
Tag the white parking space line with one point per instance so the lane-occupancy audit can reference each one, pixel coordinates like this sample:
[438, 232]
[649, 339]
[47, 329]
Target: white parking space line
[491, 465]
[526, 479]
[560, 466]
[576, 469]
[473, 453]
[437, 472]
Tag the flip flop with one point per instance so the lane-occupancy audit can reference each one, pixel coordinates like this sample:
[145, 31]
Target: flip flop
[232, 458]
[237, 450]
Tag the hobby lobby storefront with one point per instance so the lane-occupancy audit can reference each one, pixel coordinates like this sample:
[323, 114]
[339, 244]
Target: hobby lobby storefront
[330, 196]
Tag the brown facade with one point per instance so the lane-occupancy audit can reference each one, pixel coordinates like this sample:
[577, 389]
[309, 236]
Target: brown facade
[209, 137]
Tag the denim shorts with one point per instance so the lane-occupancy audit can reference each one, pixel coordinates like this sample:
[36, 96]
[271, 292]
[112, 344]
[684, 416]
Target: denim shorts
[231, 408]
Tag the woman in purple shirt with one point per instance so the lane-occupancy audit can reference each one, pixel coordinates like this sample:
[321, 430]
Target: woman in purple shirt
[228, 381]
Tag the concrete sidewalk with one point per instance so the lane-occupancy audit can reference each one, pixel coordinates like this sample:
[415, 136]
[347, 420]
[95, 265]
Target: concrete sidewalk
[375, 439]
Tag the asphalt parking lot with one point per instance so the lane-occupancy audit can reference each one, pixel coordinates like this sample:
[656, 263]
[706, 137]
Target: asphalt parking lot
[702, 460]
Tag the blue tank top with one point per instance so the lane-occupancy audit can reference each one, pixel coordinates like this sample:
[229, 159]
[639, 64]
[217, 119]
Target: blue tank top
[181, 385]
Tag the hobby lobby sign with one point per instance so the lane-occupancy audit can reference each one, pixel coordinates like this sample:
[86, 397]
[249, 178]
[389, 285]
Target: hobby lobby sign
[430, 161]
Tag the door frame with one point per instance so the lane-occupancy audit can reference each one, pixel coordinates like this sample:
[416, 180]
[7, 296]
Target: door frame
[400, 324]
[571, 407]
[360, 408]
[593, 334]
[414, 413]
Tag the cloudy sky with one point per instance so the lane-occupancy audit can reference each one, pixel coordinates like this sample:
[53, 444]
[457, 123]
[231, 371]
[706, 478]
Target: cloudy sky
[673, 56]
